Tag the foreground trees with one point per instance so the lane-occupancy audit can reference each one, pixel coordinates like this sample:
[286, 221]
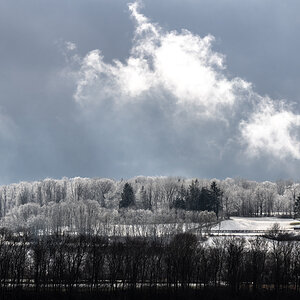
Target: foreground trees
[63, 262]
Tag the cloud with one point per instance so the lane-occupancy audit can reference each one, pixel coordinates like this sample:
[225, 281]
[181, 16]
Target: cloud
[70, 46]
[180, 64]
[179, 77]
[271, 129]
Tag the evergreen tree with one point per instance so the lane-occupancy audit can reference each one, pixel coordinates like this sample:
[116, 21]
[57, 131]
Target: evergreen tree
[200, 199]
[193, 196]
[216, 198]
[205, 200]
[127, 196]
[180, 201]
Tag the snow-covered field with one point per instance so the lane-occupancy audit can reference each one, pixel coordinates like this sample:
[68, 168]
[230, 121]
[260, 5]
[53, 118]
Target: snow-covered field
[264, 223]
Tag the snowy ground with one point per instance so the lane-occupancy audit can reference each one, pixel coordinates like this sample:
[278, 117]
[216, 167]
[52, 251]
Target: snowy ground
[264, 223]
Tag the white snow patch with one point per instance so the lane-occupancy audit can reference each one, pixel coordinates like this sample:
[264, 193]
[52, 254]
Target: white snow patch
[263, 223]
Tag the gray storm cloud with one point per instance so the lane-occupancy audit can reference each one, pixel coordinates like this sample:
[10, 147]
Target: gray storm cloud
[100, 89]
[182, 70]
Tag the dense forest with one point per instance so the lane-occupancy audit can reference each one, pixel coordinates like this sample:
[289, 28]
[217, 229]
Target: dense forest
[95, 205]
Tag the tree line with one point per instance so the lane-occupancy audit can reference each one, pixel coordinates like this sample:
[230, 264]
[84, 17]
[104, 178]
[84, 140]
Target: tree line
[193, 198]
[89, 262]
[228, 197]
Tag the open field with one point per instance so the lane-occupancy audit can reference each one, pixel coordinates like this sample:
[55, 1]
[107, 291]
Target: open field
[249, 226]
[264, 223]
[234, 226]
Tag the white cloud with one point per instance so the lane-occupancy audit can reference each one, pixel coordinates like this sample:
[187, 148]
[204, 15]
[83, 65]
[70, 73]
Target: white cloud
[271, 130]
[181, 64]
[183, 68]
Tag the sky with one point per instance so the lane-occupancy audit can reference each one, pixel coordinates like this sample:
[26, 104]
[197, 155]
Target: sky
[195, 88]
